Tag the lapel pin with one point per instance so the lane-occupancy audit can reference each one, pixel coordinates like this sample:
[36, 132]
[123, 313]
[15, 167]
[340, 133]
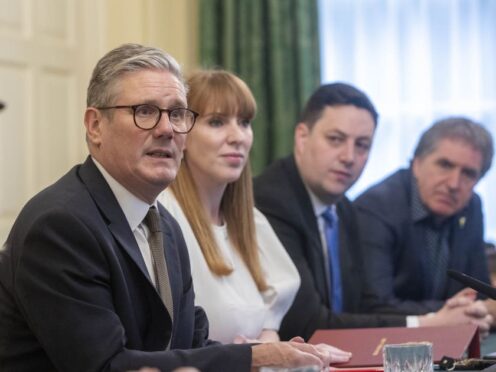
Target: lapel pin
[462, 221]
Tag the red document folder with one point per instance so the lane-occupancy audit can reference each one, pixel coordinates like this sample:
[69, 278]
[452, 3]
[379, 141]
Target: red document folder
[366, 343]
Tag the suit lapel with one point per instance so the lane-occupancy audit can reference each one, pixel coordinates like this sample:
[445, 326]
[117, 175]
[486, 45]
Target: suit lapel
[348, 245]
[418, 251]
[459, 251]
[126, 239]
[172, 261]
[457, 241]
[415, 253]
[307, 212]
[110, 209]
[119, 228]
[309, 221]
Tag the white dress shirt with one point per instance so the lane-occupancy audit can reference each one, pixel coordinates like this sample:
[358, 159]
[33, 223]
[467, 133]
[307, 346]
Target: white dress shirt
[233, 303]
[319, 208]
[412, 321]
[135, 211]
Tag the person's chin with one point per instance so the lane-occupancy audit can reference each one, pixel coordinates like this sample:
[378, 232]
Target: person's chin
[339, 188]
[331, 194]
[232, 177]
[163, 177]
[442, 209]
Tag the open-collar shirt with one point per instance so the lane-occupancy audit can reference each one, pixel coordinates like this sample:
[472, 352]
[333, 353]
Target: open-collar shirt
[135, 211]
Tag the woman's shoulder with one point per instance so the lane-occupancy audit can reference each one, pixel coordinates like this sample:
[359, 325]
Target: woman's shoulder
[169, 201]
[259, 217]
[263, 227]
[269, 244]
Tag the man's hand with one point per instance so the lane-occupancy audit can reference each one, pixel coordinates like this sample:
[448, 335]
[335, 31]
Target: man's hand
[334, 354]
[329, 354]
[296, 353]
[480, 315]
[465, 293]
[460, 310]
[491, 307]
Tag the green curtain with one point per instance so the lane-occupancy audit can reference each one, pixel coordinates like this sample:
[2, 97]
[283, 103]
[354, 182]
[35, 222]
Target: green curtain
[273, 46]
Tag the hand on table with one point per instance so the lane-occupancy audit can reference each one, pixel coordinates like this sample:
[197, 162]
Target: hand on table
[296, 353]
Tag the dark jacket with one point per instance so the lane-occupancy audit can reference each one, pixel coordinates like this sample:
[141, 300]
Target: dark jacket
[394, 248]
[75, 293]
[281, 195]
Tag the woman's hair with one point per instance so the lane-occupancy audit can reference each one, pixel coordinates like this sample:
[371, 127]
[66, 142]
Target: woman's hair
[217, 91]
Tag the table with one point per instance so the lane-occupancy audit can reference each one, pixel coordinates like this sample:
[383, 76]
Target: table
[488, 346]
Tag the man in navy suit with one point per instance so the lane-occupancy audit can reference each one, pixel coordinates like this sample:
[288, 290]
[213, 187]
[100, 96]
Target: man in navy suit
[420, 221]
[332, 144]
[81, 287]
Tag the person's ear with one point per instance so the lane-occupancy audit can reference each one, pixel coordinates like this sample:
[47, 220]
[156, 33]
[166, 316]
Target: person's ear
[93, 119]
[301, 133]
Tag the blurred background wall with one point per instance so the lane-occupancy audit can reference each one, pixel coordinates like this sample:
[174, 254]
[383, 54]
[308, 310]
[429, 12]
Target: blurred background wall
[418, 60]
[47, 51]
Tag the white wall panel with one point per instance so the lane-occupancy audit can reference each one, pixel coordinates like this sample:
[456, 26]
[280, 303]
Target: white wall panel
[13, 18]
[13, 133]
[56, 115]
[46, 49]
[54, 21]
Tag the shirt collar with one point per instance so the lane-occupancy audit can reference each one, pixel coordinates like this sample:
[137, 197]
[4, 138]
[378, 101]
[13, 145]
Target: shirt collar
[419, 211]
[134, 208]
[318, 206]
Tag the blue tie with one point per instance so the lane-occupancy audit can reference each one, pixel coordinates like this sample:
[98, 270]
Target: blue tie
[331, 228]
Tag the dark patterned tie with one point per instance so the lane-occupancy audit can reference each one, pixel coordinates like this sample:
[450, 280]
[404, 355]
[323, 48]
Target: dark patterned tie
[332, 239]
[438, 256]
[156, 244]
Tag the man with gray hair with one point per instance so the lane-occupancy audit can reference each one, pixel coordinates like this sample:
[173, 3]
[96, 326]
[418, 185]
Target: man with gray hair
[421, 221]
[95, 275]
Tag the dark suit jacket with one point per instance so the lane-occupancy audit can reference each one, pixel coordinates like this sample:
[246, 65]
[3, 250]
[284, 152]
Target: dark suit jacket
[281, 195]
[75, 294]
[393, 247]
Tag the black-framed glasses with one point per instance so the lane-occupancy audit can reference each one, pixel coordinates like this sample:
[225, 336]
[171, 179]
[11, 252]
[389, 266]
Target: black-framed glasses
[147, 116]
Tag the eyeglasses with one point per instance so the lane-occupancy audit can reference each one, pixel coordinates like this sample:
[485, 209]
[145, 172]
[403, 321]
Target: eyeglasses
[147, 116]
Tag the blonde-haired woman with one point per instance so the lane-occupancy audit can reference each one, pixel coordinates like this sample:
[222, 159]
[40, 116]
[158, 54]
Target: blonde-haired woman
[242, 275]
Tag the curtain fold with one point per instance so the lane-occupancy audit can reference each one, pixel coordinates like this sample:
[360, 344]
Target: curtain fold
[419, 60]
[273, 46]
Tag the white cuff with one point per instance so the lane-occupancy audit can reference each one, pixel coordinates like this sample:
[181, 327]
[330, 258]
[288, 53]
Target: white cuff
[412, 321]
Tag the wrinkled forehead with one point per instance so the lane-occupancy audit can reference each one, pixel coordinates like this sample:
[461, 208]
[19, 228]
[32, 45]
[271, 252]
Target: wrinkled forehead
[457, 151]
[453, 144]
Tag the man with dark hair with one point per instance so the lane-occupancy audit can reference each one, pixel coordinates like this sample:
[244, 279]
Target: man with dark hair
[95, 274]
[302, 195]
[421, 221]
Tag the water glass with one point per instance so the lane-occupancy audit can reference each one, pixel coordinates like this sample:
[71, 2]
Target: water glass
[297, 369]
[408, 357]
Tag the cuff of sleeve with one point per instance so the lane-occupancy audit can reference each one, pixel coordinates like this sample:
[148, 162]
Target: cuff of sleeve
[412, 321]
[272, 323]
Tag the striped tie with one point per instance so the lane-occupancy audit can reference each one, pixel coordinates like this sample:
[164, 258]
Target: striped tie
[156, 244]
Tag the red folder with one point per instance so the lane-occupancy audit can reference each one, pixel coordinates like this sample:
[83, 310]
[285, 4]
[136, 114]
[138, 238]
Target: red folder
[366, 343]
